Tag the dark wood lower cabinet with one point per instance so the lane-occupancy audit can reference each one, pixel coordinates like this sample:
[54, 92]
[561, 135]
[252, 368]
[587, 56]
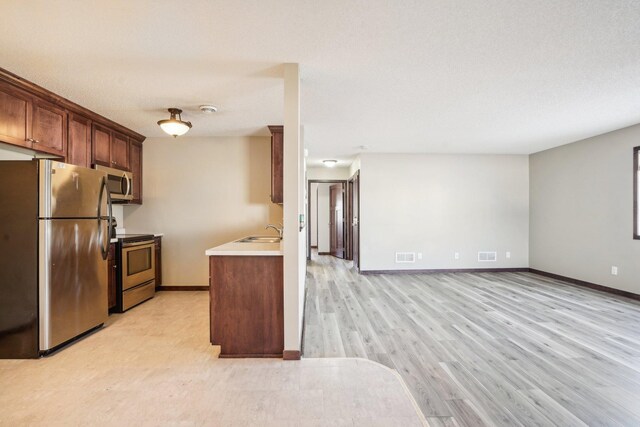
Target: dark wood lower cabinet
[246, 305]
[113, 277]
[158, 255]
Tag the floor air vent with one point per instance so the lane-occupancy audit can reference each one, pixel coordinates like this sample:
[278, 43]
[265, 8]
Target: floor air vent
[405, 257]
[487, 256]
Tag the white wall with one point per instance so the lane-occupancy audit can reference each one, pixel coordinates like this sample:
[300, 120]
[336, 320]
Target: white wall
[355, 166]
[440, 204]
[202, 192]
[328, 173]
[582, 210]
[323, 218]
[9, 153]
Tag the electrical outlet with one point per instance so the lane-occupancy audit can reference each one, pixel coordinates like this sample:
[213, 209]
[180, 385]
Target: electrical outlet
[419, 255]
[508, 254]
[614, 270]
[456, 255]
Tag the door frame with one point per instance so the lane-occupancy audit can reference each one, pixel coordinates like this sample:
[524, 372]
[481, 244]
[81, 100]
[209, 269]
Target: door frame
[338, 229]
[322, 181]
[351, 201]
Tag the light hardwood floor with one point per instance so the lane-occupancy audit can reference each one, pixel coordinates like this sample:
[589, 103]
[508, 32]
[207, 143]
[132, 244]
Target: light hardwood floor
[154, 366]
[504, 349]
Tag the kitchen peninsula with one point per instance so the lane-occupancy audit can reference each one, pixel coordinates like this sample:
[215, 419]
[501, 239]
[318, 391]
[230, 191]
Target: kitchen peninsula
[246, 297]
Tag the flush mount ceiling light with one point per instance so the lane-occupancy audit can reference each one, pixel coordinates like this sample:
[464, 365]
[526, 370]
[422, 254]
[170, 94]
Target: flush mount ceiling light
[175, 126]
[330, 163]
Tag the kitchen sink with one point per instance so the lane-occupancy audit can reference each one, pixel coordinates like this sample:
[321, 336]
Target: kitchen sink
[259, 239]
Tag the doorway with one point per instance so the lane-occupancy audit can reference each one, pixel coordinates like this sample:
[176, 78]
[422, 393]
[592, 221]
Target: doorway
[333, 210]
[323, 219]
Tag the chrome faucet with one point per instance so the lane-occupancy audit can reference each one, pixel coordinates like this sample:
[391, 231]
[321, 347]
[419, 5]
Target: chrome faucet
[275, 227]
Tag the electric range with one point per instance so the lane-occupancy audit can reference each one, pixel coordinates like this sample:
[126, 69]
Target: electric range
[135, 257]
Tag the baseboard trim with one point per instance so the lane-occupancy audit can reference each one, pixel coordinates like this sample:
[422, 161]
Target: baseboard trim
[324, 253]
[448, 270]
[183, 288]
[291, 355]
[250, 355]
[314, 247]
[585, 284]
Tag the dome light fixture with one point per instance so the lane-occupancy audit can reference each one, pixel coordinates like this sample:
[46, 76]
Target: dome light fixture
[175, 126]
[330, 163]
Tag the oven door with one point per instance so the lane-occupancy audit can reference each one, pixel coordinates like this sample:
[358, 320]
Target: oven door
[138, 263]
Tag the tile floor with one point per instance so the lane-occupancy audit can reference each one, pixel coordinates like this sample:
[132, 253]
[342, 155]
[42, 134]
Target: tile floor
[154, 366]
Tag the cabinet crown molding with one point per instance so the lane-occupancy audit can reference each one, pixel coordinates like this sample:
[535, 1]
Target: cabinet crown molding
[72, 107]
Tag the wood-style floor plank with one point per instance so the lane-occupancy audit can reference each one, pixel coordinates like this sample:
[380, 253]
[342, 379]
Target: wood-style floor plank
[494, 349]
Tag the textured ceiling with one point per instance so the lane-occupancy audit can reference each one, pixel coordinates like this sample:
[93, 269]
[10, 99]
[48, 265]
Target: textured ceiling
[392, 76]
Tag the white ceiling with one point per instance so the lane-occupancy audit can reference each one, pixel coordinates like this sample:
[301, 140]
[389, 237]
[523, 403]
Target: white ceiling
[394, 76]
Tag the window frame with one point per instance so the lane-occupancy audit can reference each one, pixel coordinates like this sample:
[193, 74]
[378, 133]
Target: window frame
[636, 190]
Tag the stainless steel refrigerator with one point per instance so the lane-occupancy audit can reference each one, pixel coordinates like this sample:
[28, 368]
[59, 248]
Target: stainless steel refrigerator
[54, 243]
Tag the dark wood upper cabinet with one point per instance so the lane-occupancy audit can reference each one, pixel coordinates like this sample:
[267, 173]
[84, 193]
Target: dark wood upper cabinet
[110, 148]
[120, 151]
[135, 158]
[39, 120]
[31, 122]
[49, 128]
[79, 141]
[277, 149]
[15, 115]
[101, 145]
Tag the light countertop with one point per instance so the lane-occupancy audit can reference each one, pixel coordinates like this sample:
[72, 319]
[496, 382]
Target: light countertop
[236, 248]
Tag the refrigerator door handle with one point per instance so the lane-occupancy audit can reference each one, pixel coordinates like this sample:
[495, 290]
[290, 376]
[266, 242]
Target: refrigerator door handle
[104, 240]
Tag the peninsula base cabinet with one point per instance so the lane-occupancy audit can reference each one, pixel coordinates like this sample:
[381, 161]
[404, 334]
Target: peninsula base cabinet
[246, 303]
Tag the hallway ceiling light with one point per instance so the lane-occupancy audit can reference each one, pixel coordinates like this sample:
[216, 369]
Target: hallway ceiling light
[175, 126]
[330, 163]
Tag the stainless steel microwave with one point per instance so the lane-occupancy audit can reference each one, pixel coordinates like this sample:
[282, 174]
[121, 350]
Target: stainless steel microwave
[119, 183]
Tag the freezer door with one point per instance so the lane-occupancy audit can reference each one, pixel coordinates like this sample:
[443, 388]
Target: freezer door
[72, 279]
[68, 191]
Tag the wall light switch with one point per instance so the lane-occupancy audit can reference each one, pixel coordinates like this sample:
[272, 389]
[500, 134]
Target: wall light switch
[456, 255]
[614, 270]
[419, 255]
[508, 254]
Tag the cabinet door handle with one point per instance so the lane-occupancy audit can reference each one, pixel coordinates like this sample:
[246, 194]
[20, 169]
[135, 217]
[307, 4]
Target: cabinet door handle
[33, 141]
